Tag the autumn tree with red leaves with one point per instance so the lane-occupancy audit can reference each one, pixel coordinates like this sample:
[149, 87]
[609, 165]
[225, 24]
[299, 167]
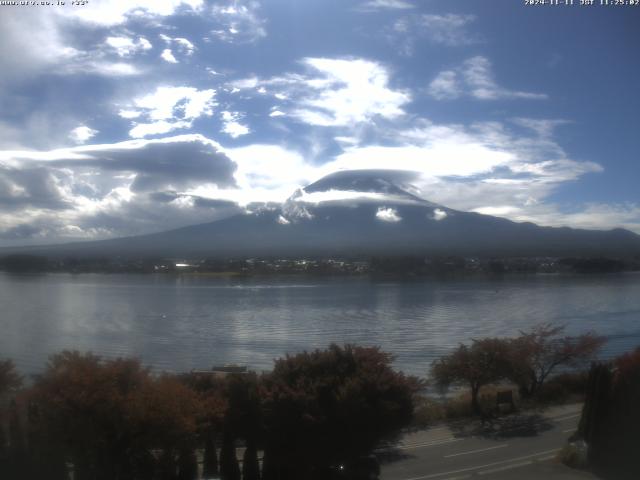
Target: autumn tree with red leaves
[110, 415]
[483, 362]
[327, 406]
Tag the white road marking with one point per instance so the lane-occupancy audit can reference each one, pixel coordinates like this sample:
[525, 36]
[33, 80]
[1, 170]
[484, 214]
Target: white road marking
[569, 430]
[430, 444]
[429, 439]
[476, 451]
[544, 459]
[477, 467]
[560, 419]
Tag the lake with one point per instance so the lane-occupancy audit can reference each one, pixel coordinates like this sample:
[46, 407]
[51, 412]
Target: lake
[177, 323]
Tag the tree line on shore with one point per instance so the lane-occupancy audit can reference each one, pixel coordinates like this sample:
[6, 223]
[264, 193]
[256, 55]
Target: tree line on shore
[392, 265]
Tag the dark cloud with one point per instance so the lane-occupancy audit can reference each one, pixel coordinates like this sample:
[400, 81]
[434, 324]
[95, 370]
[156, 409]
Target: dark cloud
[200, 202]
[20, 232]
[103, 191]
[159, 164]
[163, 197]
[213, 203]
[30, 187]
[156, 211]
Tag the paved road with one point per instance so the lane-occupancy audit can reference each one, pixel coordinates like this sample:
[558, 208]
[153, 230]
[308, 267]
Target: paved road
[522, 446]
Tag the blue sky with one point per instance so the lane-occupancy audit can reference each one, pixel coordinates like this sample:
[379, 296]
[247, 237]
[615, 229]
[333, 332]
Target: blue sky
[121, 118]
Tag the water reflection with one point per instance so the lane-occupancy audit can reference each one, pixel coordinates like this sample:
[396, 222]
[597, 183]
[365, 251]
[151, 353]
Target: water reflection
[183, 322]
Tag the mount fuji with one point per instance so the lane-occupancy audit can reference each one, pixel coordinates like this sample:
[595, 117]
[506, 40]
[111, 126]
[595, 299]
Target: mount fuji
[357, 213]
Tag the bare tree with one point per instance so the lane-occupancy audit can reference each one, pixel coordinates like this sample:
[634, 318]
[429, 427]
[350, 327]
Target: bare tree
[536, 353]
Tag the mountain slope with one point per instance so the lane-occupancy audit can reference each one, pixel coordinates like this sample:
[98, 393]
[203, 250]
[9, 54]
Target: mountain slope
[361, 213]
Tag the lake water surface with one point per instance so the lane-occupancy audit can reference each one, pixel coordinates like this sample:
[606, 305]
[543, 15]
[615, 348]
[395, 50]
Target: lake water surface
[177, 323]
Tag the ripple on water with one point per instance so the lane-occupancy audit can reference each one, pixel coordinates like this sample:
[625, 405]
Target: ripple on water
[177, 324]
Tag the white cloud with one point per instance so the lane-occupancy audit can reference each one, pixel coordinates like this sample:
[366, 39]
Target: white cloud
[375, 5]
[109, 13]
[388, 215]
[283, 221]
[49, 30]
[251, 82]
[185, 45]
[440, 152]
[439, 214]
[352, 197]
[127, 46]
[231, 125]
[124, 113]
[157, 128]
[448, 29]
[238, 21]
[19, 60]
[543, 127]
[349, 91]
[479, 79]
[179, 44]
[498, 211]
[144, 43]
[591, 216]
[170, 108]
[167, 56]
[594, 216]
[82, 133]
[474, 78]
[117, 69]
[75, 62]
[445, 86]
[268, 173]
[235, 129]
[335, 92]
[436, 160]
[83, 152]
[19, 32]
